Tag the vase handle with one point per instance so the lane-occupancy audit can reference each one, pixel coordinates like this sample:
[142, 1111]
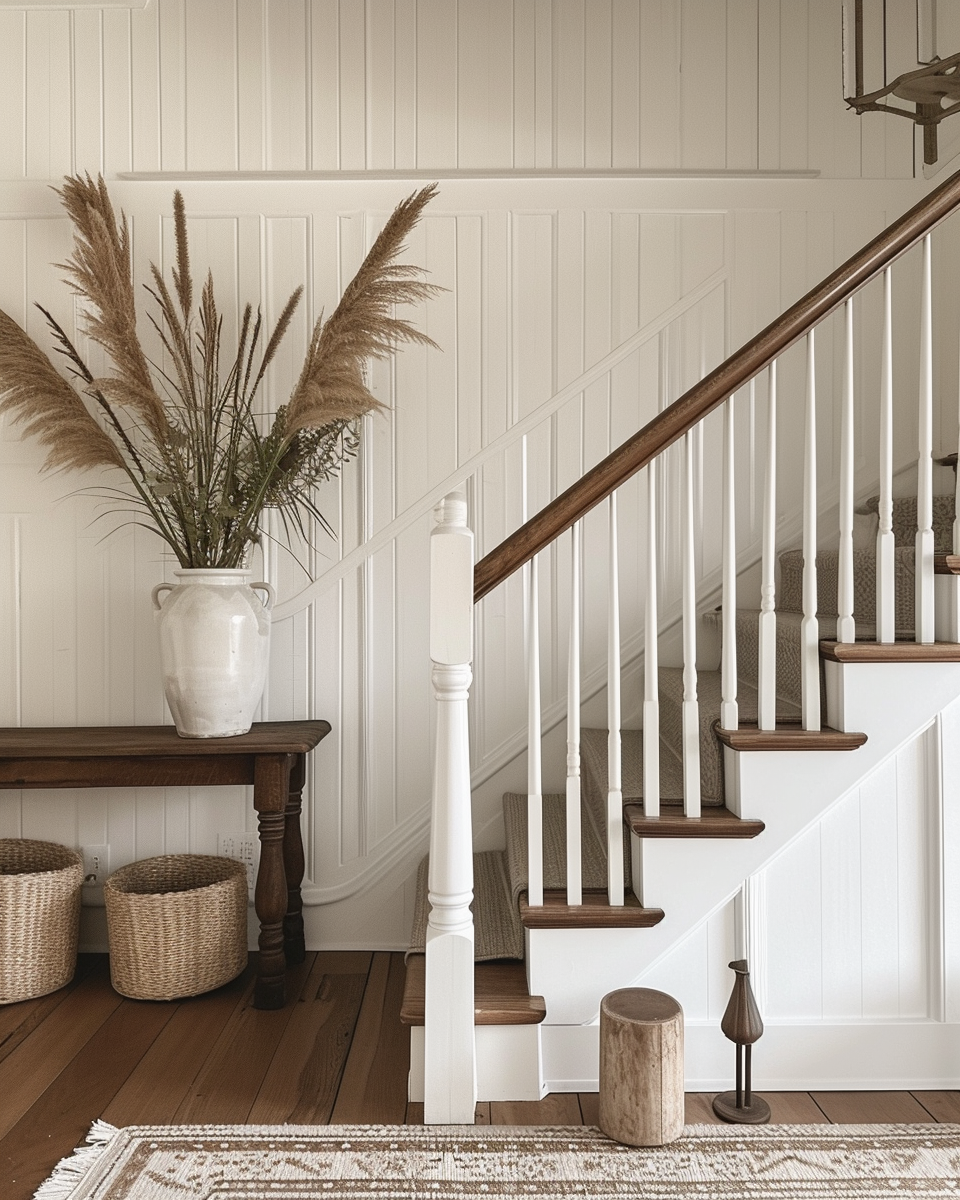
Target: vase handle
[155, 594]
[271, 594]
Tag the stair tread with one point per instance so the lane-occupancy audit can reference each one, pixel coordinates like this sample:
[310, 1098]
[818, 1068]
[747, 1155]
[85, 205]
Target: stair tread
[500, 994]
[593, 913]
[787, 737]
[714, 822]
[890, 652]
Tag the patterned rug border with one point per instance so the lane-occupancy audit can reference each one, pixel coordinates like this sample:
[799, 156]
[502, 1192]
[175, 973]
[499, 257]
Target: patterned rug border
[708, 1162]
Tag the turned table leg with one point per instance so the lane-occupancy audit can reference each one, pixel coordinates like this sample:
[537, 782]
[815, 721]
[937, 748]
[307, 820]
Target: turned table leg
[271, 789]
[294, 946]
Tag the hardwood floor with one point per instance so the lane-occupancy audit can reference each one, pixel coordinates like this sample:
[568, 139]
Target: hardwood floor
[336, 1053]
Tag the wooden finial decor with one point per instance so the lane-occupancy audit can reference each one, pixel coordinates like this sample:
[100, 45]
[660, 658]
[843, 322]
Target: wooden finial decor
[741, 1023]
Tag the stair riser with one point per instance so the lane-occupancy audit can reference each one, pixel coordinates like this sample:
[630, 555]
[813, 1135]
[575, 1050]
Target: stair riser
[509, 1063]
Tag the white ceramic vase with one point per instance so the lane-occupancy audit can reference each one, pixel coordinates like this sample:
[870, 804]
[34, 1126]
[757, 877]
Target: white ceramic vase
[214, 649]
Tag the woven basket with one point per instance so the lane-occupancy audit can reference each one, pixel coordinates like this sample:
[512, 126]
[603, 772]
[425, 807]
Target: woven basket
[177, 925]
[40, 885]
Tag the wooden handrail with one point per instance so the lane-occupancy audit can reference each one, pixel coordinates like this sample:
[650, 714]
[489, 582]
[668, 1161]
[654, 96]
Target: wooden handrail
[713, 389]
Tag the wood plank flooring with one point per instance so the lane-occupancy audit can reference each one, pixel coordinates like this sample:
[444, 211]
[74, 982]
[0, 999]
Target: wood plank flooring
[336, 1053]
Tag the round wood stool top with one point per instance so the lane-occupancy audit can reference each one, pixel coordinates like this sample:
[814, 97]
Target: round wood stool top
[644, 1006]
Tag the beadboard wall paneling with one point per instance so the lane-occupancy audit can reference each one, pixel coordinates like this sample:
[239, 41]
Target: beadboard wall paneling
[574, 312]
[346, 85]
[848, 923]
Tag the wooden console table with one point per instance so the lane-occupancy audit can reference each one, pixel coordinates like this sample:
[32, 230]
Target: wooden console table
[272, 757]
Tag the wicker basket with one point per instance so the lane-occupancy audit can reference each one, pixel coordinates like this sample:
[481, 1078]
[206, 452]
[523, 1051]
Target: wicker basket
[177, 925]
[40, 885]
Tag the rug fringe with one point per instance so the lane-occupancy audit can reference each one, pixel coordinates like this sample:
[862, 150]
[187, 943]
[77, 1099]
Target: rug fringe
[70, 1172]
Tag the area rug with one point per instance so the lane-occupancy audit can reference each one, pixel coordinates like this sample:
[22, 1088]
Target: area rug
[384, 1162]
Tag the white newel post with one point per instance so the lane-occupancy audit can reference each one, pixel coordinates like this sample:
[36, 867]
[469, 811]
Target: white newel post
[450, 1068]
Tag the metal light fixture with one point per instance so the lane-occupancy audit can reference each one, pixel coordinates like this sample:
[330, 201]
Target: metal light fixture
[921, 93]
[741, 1023]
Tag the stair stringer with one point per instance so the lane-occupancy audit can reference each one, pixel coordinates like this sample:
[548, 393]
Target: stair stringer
[691, 878]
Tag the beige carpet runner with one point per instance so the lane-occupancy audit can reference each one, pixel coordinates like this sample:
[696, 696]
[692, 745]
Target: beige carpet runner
[405, 1162]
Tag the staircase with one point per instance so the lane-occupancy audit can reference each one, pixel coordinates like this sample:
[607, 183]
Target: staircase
[660, 825]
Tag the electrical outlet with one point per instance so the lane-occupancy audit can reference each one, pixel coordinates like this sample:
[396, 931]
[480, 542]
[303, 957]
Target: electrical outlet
[95, 865]
[245, 847]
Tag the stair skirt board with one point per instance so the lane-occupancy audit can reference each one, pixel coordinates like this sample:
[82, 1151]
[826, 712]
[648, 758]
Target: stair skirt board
[840, 1057]
[528, 1062]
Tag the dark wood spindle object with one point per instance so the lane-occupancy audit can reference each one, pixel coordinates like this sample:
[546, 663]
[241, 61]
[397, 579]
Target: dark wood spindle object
[741, 1023]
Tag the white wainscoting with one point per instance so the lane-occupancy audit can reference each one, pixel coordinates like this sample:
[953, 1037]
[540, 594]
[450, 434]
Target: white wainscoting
[576, 310]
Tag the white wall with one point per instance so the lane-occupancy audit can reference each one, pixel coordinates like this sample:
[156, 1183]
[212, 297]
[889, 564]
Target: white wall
[549, 280]
[357, 85]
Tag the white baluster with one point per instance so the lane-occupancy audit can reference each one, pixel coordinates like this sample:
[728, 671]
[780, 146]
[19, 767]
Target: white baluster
[809, 627]
[450, 1079]
[574, 884]
[886, 586]
[651, 683]
[534, 770]
[531, 609]
[752, 457]
[767, 634]
[690, 708]
[729, 711]
[614, 774]
[923, 603]
[846, 628]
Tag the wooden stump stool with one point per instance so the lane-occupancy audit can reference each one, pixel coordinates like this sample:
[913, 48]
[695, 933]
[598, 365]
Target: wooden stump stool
[641, 1067]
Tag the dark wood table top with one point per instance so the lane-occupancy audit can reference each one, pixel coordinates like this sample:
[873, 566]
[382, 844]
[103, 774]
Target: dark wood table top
[152, 741]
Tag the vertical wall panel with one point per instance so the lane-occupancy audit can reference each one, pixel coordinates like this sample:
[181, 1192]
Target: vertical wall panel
[173, 95]
[569, 47]
[795, 22]
[382, 81]
[49, 149]
[118, 94]
[533, 329]
[436, 83]
[13, 95]
[407, 68]
[469, 337]
[145, 88]
[353, 51]
[322, 92]
[742, 82]
[600, 99]
[703, 85]
[251, 25]
[625, 84]
[769, 102]
[485, 67]
[660, 146]
[289, 109]
[524, 84]
[88, 80]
